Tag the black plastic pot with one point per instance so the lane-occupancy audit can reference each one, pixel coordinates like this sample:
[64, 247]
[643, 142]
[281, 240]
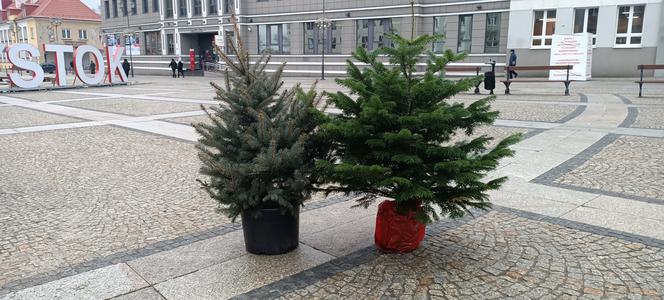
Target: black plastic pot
[271, 232]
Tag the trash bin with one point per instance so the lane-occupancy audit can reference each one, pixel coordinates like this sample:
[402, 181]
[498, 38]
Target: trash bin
[489, 81]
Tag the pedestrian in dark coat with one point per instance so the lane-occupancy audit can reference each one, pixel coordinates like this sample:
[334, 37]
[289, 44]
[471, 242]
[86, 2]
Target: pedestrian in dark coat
[174, 66]
[93, 67]
[180, 69]
[512, 62]
[126, 66]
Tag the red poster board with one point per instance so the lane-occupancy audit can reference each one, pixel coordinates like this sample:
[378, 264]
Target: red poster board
[192, 60]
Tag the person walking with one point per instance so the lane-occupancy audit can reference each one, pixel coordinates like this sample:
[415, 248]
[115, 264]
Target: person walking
[512, 63]
[180, 69]
[173, 66]
[126, 66]
[93, 67]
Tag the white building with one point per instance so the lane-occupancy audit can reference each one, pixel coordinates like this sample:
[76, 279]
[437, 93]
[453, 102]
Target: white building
[626, 32]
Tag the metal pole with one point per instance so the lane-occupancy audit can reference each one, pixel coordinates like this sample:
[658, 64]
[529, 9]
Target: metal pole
[322, 67]
[131, 58]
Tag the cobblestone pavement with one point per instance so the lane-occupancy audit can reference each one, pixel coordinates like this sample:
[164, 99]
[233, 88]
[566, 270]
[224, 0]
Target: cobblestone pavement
[48, 96]
[133, 107]
[14, 117]
[190, 120]
[73, 195]
[630, 165]
[528, 111]
[501, 255]
[649, 117]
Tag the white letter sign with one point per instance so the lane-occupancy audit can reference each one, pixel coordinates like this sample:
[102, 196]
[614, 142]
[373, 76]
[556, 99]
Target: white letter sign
[80, 69]
[114, 65]
[60, 68]
[35, 68]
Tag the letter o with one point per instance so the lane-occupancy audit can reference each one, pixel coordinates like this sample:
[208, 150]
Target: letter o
[80, 69]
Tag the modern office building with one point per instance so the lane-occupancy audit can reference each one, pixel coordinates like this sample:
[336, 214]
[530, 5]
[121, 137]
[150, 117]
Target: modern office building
[289, 28]
[67, 22]
[625, 32]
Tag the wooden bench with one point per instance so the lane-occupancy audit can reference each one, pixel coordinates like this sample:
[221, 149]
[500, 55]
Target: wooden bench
[647, 67]
[467, 69]
[509, 81]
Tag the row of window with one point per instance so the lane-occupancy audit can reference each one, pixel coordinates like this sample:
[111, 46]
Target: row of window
[371, 34]
[111, 7]
[22, 32]
[629, 30]
[82, 34]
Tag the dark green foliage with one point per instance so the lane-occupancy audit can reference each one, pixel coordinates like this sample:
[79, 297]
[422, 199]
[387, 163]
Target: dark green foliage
[393, 138]
[258, 152]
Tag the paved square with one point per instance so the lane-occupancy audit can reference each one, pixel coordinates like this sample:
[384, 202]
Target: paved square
[15, 117]
[70, 196]
[649, 117]
[48, 96]
[629, 165]
[133, 107]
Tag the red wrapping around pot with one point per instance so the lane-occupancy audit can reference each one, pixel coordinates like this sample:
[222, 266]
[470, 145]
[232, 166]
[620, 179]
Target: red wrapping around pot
[395, 232]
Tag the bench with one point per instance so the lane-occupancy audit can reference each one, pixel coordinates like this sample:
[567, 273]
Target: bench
[509, 81]
[647, 67]
[466, 69]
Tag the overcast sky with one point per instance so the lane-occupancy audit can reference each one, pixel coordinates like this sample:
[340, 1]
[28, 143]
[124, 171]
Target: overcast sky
[94, 4]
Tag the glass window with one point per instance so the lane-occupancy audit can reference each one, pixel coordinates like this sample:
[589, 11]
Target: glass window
[115, 8]
[630, 25]
[313, 38]
[66, 34]
[155, 5]
[170, 43]
[82, 34]
[182, 8]
[371, 34]
[198, 7]
[229, 6]
[133, 7]
[465, 33]
[107, 10]
[274, 37]
[169, 8]
[439, 28]
[492, 33]
[544, 26]
[212, 7]
[585, 20]
[152, 43]
[145, 6]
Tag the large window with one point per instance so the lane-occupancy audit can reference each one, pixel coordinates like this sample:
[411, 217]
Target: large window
[115, 8]
[182, 8]
[152, 43]
[313, 38]
[544, 26]
[465, 33]
[439, 28]
[66, 33]
[371, 34]
[585, 20]
[198, 7]
[107, 10]
[169, 8]
[630, 25]
[212, 7]
[145, 6]
[274, 37]
[229, 6]
[133, 7]
[82, 34]
[492, 33]
[229, 39]
[155, 5]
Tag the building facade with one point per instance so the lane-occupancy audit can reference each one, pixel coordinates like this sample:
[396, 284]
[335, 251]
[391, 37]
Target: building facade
[170, 28]
[625, 33]
[67, 22]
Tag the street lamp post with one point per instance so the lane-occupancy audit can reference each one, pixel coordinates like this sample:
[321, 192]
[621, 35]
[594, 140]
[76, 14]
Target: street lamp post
[323, 24]
[55, 22]
[129, 34]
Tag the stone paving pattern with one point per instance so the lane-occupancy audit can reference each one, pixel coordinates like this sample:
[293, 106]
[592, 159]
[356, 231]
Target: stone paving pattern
[133, 107]
[15, 117]
[501, 255]
[73, 195]
[190, 120]
[650, 117]
[47, 96]
[530, 111]
[630, 165]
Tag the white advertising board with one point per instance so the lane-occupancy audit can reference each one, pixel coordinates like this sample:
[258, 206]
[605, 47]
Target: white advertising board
[575, 50]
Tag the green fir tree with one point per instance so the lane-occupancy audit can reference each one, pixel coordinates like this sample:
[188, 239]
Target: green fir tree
[258, 151]
[393, 137]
